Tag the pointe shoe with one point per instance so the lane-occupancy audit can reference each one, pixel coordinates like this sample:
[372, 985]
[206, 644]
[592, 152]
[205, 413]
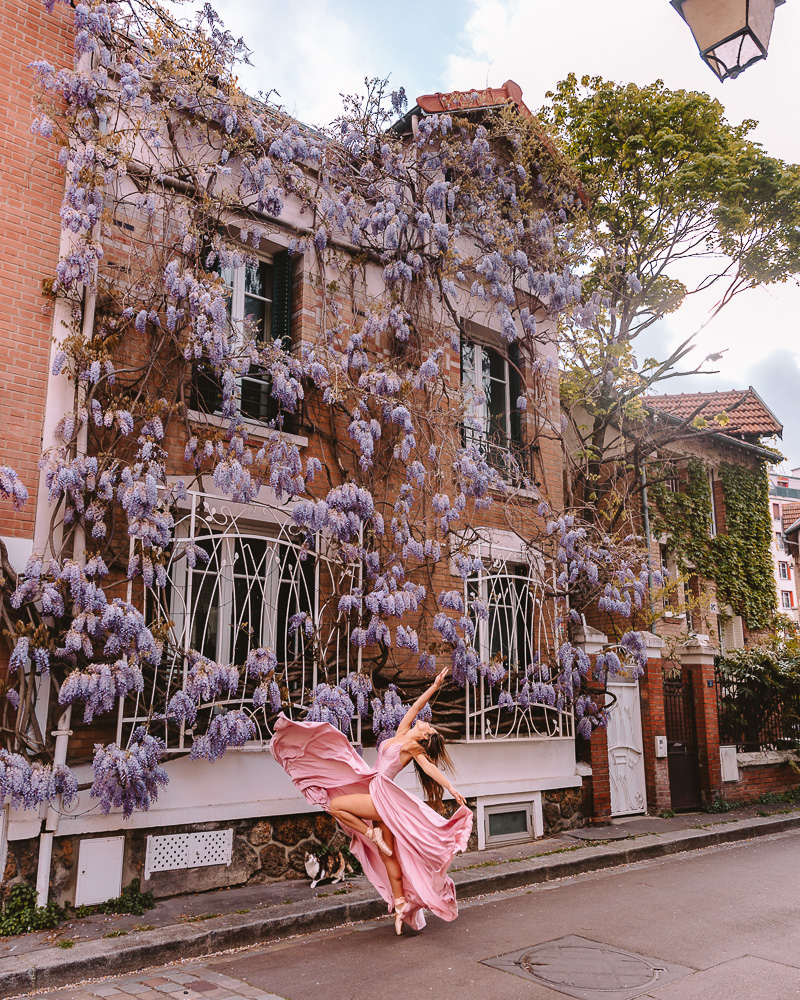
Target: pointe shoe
[400, 905]
[376, 836]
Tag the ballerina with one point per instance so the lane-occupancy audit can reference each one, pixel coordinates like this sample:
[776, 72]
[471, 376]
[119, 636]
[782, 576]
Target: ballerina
[405, 847]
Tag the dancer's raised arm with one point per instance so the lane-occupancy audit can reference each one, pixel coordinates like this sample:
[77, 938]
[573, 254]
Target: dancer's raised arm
[433, 771]
[421, 702]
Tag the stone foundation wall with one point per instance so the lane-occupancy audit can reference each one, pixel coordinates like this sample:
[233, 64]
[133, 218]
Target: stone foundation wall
[567, 808]
[264, 850]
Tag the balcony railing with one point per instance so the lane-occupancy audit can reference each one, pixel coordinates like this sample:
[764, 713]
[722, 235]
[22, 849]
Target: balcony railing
[514, 460]
[518, 638]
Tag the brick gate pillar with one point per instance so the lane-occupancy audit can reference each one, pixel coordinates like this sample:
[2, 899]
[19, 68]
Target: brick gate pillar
[697, 659]
[651, 692]
[592, 642]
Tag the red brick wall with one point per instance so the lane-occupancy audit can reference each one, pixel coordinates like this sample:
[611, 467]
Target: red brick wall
[759, 780]
[651, 691]
[704, 693]
[31, 186]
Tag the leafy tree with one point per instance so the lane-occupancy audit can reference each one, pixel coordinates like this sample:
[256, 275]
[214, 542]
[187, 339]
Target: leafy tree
[680, 202]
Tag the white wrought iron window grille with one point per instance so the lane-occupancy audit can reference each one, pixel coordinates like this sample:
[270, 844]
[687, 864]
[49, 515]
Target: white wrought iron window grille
[520, 636]
[257, 576]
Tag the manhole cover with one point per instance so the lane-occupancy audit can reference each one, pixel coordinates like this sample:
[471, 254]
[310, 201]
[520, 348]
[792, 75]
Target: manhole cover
[588, 969]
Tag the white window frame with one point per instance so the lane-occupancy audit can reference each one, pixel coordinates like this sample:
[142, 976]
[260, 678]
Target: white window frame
[490, 805]
[184, 615]
[669, 570]
[780, 545]
[786, 600]
[237, 313]
[237, 290]
[783, 571]
[480, 411]
[712, 528]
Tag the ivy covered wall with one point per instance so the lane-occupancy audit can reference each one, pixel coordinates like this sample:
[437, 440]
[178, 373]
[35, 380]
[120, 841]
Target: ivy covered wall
[745, 575]
[738, 560]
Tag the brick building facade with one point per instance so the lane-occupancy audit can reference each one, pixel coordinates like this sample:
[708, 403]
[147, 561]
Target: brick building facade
[239, 815]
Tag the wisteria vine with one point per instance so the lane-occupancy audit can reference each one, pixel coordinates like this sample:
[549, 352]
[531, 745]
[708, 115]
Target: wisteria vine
[412, 238]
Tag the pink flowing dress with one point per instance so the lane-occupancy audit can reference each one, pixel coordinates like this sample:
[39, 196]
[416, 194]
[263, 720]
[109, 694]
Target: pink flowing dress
[322, 764]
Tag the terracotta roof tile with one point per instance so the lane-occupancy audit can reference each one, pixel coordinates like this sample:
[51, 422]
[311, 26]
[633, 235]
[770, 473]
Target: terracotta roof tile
[747, 413]
[469, 100]
[790, 513]
[491, 97]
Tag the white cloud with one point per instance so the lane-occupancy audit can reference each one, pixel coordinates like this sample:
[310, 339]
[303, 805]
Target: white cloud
[306, 52]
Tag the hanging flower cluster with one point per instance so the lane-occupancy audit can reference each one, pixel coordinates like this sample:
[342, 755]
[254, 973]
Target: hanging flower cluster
[332, 704]
[229, 729]
[28, 785]
[129, 779]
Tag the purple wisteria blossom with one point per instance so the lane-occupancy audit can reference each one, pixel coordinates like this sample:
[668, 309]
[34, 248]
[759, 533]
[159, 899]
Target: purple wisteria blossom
[383, 503]
[229, 729]
[332, 704]
[27, 785]
[129, 779]
[12, 487]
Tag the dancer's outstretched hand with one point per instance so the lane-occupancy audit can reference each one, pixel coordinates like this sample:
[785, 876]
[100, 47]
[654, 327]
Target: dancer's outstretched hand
[458, 796]
[440, 679]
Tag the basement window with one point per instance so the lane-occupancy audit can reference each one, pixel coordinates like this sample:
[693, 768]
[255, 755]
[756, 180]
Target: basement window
[511, 823]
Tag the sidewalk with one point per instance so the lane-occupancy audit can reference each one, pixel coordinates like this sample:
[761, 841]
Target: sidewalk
[199, 924]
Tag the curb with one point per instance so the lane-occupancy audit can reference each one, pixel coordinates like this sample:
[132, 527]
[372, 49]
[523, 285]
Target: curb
[53, 967]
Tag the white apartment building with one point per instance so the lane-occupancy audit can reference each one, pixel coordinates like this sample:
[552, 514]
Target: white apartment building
[784, 501]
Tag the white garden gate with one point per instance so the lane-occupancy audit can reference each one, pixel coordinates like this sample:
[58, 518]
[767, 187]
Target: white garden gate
[625, 750]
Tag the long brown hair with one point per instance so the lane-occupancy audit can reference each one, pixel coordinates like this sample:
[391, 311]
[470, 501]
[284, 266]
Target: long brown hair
[433, 746]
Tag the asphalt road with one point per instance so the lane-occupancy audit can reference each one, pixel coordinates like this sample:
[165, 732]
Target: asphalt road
[721, 924]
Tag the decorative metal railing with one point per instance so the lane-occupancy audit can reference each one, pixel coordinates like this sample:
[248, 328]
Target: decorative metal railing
[518, 638]
[513, 459]
[251, 573]
[755, 716]
[257, 575]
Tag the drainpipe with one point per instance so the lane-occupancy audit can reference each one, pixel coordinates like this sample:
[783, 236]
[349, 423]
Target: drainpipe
[649, 541]
[62, 733]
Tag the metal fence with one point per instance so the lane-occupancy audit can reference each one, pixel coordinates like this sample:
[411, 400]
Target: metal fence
[251, 574]
[755, 717]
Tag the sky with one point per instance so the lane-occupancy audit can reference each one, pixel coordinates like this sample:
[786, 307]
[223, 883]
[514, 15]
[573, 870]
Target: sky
[311, 52]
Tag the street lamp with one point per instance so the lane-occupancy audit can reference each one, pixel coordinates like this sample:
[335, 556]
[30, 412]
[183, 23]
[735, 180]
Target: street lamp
[731, 34]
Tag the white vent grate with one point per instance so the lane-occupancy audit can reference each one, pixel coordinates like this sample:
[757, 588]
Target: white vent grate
[212, 848]
[188, 850]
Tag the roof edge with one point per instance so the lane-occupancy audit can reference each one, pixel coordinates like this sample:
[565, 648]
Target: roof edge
[766, 453]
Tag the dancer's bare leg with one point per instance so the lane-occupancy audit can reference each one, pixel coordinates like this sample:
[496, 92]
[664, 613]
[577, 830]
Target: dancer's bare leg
[393, 869]
[352, 810]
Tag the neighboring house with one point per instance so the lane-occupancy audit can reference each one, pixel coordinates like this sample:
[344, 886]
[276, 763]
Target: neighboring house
[784, 502]
[239, 819]
[710, 533]
[711, 530]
